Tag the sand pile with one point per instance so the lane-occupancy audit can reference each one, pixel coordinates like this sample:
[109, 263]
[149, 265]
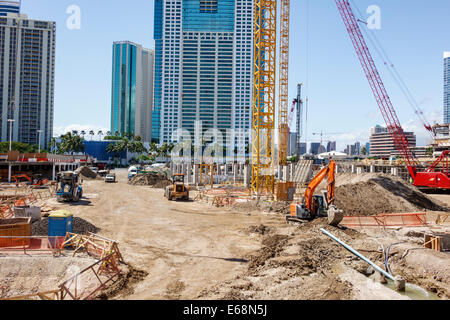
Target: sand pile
[80, 226]
[85, 172]
[372, 193]
[154, 179]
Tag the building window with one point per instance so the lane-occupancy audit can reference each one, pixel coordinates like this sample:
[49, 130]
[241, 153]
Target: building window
[208, 6]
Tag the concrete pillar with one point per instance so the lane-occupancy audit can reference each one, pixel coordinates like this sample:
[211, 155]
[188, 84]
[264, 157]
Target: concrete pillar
[280, 172]
[394, 171]
[358, 170]
[53, 172]
[247, 175]
[286, 173]
[241, 169]
[189, 173]
[196, 174]
[9, 172]
[353, 168]
[171, 168]
[372, 169]
[292, 167]
[235, 172]
[184, 168]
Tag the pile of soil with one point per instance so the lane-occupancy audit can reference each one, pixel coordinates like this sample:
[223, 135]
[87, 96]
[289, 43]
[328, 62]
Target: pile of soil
[281, 207]
[154, 179]
[372, 194]
[80, 226]
[85, 172]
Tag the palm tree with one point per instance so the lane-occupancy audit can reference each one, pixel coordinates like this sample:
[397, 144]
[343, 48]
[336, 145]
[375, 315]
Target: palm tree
[53, 145]
[91, 133]
[82, 133]
[100, 134]
[71, 144]
[108, 133]
[75, 132]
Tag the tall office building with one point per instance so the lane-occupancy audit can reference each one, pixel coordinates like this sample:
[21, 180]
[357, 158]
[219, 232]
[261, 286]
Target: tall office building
[382, 144]
[446, 87]
[132, 89]
[203, 66]
[331, 146]
[7, 7]
[315, 146]
[27, 71]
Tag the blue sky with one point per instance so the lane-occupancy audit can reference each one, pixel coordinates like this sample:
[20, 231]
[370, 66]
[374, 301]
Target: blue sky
[414, 34]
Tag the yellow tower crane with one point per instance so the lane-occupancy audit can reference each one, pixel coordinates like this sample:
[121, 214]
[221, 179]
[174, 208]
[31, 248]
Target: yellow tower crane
[263, 177]
[283, 104]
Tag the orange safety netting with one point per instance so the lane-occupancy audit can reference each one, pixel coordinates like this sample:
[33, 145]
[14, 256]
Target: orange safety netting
[387, 220]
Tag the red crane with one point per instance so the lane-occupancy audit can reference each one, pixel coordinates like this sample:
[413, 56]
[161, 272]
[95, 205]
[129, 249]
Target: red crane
[429, 178]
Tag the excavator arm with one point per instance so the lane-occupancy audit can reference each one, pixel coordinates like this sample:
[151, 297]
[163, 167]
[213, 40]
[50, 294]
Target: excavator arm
[329, 172]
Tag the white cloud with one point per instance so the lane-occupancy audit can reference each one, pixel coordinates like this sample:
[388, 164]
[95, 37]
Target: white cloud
[60, 130]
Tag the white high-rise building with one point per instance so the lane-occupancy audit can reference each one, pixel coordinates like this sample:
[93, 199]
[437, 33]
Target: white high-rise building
[203, 67]
[27, 72]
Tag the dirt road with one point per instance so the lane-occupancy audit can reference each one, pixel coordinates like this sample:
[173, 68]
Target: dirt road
[184, 247]
[192, 250]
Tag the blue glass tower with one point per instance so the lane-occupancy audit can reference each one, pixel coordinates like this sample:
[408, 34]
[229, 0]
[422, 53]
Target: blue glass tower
[132, 89]
[447, 87]
[156, 113]
[9, 7]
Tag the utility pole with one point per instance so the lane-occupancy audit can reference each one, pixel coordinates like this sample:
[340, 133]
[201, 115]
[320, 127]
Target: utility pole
[11, 122]
[39, 142]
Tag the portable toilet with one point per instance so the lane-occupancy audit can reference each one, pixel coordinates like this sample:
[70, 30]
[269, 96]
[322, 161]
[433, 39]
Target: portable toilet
[59, 223]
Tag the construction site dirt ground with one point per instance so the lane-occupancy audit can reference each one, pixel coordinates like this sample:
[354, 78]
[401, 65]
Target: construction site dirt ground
[192, 250]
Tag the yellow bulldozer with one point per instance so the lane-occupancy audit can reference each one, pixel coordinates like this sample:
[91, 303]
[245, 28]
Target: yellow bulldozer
[177, 191]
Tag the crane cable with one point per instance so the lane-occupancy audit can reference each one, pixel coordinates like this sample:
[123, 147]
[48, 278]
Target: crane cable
[394, 72]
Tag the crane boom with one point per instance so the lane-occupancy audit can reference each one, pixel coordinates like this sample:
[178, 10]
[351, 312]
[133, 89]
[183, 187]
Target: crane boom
[377, 86]
[283, 103]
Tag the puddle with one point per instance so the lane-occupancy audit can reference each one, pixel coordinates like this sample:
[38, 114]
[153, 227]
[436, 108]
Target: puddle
[412, 291]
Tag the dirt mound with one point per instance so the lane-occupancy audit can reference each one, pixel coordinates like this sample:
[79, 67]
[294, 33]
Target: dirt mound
[80, 226]
[372, 194]
[272, 246]
[154, 179]
[281, 207]
[86, 173]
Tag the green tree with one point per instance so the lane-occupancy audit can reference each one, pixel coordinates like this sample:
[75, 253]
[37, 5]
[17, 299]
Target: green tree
[19, 146]
[363, 151]
[71, 144]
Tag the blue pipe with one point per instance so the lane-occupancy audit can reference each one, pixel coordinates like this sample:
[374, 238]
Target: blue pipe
[346, 246]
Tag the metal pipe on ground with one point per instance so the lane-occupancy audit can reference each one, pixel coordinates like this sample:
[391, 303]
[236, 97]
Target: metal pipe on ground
[359, 255]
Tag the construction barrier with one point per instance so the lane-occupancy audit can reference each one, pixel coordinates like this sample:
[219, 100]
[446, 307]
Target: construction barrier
[20, 245]
[386, 220]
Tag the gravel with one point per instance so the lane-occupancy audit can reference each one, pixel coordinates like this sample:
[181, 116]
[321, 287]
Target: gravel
[80, 226]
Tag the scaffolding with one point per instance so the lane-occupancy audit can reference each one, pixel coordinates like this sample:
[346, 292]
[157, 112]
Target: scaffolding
[283, 104]
[264, 97]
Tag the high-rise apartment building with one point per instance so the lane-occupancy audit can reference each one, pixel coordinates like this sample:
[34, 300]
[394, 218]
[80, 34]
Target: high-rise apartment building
[446, 87]
[7, 7]
[132, 90]
[27, 71]
[203, 66]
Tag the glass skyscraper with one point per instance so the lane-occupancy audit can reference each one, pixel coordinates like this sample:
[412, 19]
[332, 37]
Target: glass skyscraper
[203, 66]
[132, 89]
[446, 87]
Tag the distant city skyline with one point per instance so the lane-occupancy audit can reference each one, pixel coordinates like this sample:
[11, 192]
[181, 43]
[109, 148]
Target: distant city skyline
[77, 95]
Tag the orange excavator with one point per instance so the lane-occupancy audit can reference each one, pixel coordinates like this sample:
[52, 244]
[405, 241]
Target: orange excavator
[35, 181]
[315, 206]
